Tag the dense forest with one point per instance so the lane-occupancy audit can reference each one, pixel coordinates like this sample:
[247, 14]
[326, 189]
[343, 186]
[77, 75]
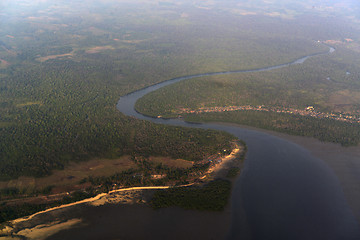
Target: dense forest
[213, 196]
[64, 65]
[62, 74]
[328, 130]
[329, 83]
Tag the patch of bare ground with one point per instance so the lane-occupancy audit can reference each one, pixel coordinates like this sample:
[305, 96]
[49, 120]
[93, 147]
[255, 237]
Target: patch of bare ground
[4, 64]
[99, 49]
[134, 41]
[29, 104]
[218, 169]
[344, 100]
[33, 227]
[43, 59]
[68, 179]
[222, 165]
[170, 162]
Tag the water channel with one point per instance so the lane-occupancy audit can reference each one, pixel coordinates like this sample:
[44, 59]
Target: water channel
[283, 191]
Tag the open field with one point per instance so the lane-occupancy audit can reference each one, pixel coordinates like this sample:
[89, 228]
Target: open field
[173, 163]
[75, 172]
[72, 174]
[43, 59]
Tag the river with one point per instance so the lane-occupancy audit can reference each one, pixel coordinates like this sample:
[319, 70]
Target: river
[284, 190]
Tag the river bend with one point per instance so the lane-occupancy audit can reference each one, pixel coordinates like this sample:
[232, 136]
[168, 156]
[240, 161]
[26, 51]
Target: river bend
[283, 191]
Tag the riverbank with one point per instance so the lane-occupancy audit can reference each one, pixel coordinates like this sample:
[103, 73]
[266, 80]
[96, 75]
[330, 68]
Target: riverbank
[51, 221]
[123, 221]
[343, 161]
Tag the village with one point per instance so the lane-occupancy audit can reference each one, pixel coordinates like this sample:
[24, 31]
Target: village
[308, 111]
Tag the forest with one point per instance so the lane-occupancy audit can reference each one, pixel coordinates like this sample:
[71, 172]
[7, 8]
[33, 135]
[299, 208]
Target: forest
[327, 130]
[213, 196]
[64, 65]
[58, 93]
[327, 83]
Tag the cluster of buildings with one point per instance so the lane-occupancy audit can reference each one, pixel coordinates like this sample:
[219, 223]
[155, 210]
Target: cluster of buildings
[308, 111]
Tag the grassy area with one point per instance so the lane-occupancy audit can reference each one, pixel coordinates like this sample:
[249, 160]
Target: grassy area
[71, 175]
[75, 172]
[172, 163]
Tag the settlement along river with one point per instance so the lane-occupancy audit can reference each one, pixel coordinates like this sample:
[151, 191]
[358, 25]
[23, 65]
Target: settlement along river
[283, 191]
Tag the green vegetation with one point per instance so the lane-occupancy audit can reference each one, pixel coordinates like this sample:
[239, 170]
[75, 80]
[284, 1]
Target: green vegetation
[213, 196]
[321, 81]
[58, 93]
[145, 175]
[233, 172]
[347, 134]
[64, 65]
[329, 83]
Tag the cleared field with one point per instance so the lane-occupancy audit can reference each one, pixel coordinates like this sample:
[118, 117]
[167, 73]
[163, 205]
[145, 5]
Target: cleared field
[98, 49]
[73, 173]
[170, 162]
[43, 59]
[4, 64]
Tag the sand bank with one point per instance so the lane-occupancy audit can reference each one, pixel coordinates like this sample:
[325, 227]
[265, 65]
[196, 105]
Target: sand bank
[51, 221]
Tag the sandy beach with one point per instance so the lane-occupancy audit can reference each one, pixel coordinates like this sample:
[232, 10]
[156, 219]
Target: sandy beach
[121, 213]
[125, 221]
[125, 206]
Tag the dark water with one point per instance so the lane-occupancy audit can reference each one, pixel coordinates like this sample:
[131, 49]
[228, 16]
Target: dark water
[284, 192]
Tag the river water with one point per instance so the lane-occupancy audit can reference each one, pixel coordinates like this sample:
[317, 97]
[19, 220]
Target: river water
[284, 192]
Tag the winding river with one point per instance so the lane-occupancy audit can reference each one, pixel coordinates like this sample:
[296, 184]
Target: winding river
[284, 192]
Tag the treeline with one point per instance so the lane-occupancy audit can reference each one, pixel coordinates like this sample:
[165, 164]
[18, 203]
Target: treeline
[60, 111]
[12, 192]
[36, 150]
[143, 175]
[213, 196]
[328, 130]
[63, 109]
[10, 212]
[327, 82]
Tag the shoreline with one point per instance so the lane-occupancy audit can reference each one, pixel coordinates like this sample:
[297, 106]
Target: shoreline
[327, 152]
[104, 194]
[344, 162]
[125, 197]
